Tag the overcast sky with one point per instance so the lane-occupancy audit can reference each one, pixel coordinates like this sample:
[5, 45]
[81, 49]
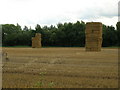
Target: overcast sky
[47, 12]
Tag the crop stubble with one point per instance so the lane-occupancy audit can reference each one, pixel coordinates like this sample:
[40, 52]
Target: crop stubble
[65, 67]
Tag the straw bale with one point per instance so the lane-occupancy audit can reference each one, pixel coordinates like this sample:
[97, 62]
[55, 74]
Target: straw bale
[93, 39]
[93, 35]
[36, 41]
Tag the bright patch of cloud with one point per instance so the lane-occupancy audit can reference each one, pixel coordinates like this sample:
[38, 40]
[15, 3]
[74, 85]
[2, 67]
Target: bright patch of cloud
[47, 12]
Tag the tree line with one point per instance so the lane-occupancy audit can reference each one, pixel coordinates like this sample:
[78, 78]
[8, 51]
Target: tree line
[66, 34]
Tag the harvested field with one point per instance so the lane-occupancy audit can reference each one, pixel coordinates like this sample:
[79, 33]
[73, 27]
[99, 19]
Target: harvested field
[60, 68]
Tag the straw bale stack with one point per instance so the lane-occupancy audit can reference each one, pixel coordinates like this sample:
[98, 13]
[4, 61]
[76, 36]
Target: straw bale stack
[93, 36]
[36, 41]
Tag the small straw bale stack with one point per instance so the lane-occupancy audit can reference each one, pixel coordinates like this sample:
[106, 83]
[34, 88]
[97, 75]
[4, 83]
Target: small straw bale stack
[93, 35]
[36, 41]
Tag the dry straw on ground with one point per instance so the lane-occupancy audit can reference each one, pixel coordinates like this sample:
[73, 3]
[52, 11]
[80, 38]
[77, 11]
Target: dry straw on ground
[93, 36]
[65, 67]
[36, 41]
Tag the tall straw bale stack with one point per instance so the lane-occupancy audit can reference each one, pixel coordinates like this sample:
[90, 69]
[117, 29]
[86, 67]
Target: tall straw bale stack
[36, 41]
[93, 35]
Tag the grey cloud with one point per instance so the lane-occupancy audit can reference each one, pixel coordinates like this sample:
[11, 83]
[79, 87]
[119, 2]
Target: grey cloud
[97, 13]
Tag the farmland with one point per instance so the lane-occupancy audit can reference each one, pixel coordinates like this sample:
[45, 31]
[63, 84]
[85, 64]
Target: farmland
[60, 68]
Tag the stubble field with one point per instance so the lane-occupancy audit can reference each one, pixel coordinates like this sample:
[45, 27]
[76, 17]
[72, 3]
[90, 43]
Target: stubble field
[60, 68]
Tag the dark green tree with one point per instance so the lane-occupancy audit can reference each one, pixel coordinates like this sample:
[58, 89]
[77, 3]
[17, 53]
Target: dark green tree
[67, 34]
[25, 28]
[109, 36]
[118, 32]
[38, 29]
